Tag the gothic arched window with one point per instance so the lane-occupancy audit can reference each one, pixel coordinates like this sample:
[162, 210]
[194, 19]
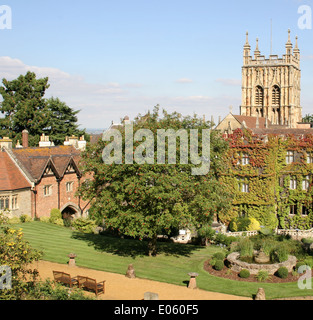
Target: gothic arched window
[259, 96]
[276, 96]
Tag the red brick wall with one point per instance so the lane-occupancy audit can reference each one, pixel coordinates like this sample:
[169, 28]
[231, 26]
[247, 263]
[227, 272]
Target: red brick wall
[65, 196]
[43, 204]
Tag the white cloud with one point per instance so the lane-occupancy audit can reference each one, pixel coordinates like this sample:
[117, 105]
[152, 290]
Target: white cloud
[184, 80]
[100, 104]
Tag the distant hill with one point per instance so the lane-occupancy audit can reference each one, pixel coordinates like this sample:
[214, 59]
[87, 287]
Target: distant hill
[95, 130]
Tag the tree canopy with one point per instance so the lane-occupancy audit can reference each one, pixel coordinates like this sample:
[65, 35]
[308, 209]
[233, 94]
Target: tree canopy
[23, 106]
[143, 200]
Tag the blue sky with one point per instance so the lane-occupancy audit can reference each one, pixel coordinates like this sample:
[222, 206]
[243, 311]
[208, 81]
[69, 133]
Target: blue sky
[115, 58]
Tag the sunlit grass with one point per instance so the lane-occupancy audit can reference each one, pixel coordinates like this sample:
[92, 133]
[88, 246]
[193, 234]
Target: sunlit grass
[171, 265]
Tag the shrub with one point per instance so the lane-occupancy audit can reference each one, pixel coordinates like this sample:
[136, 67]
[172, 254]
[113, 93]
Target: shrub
[244, 273]
[59, 222]
[268, 245]
[282, 272]
[55, 214]
[254, 225]
[245, 247]
[307, 240]
[49, 290]
[262, 275]
[230, 240]
[280, 254]
[220, 238]
[244, 224]
[45, 219]
[25, 218]
[16, 253]
[219, 255]
[85, 225]
[219, 265]
[207, 233]
[14, 220]
[212, 262]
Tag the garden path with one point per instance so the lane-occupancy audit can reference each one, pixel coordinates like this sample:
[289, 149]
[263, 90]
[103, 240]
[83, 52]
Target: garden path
[119, 287]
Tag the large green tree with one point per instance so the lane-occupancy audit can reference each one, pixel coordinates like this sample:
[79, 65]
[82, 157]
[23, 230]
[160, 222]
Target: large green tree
[23, 106]
[308, 118]
[144, 200]
[62, 121]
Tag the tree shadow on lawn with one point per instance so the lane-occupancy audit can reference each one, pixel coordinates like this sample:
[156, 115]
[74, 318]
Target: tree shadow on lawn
[131, 247]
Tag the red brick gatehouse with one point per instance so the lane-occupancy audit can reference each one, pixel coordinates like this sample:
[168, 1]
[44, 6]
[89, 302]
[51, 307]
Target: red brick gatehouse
[34, 180]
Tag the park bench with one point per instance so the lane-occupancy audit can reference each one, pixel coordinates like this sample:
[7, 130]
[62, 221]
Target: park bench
[64, 278]
[91, 284]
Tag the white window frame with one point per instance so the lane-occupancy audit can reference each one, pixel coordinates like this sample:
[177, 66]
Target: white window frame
[244, 159]
[306, 183]
[290, 157]
[47, 190]
[69, 186]
[293, 183]
[243, 186]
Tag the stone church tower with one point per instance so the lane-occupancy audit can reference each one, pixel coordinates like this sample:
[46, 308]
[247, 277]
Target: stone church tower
[271, 87]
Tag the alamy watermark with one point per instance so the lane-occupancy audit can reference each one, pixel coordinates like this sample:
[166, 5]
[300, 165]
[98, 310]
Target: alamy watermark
[145, 151]
[305, 19]
[5, 17]
[305, 280]
[5, 278]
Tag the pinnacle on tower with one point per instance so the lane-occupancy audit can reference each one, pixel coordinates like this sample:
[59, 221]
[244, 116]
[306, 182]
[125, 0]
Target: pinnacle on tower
[246, 49]
[288, 44]
[247, 39]
[257, 51]
[296, 50]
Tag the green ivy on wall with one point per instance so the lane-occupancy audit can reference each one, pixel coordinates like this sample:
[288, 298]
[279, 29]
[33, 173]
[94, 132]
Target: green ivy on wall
[269, 198]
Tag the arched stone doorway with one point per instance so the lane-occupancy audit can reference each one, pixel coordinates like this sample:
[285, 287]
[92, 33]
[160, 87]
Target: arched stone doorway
[70, 211]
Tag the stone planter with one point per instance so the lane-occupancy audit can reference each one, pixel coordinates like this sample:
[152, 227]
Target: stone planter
[237, 265]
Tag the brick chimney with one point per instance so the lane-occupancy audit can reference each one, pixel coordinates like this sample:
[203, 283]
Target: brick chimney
[25, 138]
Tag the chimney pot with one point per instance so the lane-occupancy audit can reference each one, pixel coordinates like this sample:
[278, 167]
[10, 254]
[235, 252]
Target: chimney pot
[25, 138]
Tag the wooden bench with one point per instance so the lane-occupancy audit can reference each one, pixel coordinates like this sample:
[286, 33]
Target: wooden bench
[65, 278]
[91, 284]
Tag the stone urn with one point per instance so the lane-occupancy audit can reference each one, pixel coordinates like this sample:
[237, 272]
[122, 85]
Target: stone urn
[260, 257]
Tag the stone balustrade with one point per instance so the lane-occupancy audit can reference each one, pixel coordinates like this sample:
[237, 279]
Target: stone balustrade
[294, 233]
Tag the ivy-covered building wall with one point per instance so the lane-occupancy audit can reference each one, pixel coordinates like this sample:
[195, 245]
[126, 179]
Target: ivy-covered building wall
[271, 178]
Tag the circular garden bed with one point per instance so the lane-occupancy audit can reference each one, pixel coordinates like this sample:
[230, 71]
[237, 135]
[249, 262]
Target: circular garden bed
[227, 273]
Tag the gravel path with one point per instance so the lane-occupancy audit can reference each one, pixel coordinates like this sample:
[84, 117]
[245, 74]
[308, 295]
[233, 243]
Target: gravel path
[119, 287]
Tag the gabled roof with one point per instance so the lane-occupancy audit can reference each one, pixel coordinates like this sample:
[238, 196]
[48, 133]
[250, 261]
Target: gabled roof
[36, 160]
[11, 178]
[251, 122]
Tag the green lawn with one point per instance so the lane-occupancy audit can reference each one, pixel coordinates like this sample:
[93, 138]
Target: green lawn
[171, 265]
